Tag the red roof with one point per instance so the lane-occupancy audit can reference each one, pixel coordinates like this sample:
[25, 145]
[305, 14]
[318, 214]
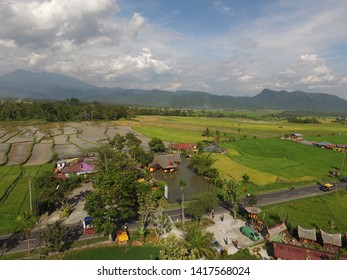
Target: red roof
[183, 146]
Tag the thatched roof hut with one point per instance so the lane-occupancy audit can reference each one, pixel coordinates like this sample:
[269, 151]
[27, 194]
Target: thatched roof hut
[331, 239]
[309, 234]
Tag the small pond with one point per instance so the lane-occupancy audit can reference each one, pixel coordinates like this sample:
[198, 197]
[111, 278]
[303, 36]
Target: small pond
[194, 183]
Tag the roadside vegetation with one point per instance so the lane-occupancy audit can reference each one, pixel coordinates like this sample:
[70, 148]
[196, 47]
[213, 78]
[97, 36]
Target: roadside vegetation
[320, 212]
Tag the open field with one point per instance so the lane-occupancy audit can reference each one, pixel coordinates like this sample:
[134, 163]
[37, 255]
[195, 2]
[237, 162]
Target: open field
[270, 162]
[312, 212]
[267, 159]
[14, 192]
[41, 153]
[114, 253]
[3, 151]
[19, 153]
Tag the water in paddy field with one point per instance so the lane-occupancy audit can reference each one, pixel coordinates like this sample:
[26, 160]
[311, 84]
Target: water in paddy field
[194, 183]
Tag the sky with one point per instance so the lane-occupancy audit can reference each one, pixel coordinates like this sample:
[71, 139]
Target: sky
[225, 47]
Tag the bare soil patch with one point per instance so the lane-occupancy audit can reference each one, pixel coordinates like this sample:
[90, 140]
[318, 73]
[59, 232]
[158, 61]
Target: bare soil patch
[80, 143]
[92, 133]
[8, 136]
[61, 139]
[3, 149]
[41, 154]
[21, 138]
[67, 150]
[18, 153]
[69, 130]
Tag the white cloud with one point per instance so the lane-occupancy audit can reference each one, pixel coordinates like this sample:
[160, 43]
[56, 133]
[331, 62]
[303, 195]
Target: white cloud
[309, 57]
[223, 8]
[34, 58]
[283, 46]
[7, 43]
[245, 78]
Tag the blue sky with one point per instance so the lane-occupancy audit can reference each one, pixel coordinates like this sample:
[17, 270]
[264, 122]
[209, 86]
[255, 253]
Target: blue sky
[223, 47]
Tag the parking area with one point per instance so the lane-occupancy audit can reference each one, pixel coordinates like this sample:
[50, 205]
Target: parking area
[227, 230]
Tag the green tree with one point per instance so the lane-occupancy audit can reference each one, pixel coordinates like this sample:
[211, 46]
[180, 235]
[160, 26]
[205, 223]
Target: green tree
[207, 133]
[202, 163]
[55, 237]
[156, 145]
[26, 223]
[182, 183]
[147, 206]
[198, 242]
[173, 248]
[118, 141]
[217, 136]
[202, 203]
[232, 192]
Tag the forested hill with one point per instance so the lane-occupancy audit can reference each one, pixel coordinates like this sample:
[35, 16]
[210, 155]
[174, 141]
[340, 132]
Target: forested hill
[49, 86]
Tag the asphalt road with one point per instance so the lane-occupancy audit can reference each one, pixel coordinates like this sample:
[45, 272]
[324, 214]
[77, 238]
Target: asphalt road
[13, 243]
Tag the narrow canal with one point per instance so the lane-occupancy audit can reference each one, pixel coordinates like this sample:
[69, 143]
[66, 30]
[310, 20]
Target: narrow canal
[194, 183]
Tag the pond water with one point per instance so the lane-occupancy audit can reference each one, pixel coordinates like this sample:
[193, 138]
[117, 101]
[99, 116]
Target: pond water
[194, 183]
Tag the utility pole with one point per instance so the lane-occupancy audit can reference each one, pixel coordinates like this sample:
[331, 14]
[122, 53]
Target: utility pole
[182, 184]
[30, 198]
[343, 160]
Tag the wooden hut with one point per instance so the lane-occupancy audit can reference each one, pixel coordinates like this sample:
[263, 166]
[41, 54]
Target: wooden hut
[307, 236]
[275, 233]
[331, 241]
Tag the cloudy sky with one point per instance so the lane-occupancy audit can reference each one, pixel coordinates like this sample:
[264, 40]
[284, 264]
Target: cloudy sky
[226, 47]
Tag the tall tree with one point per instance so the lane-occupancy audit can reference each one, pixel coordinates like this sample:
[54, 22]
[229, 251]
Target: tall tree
[115, 199]
[26, 223]
[232, 192]
[147, 206]
[207, 133]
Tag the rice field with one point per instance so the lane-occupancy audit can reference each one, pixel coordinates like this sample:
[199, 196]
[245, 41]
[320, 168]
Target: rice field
[270, 162]
[23, 160]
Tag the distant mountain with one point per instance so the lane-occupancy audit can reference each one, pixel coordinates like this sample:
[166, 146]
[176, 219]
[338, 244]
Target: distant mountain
[26, 84]
[300, 101]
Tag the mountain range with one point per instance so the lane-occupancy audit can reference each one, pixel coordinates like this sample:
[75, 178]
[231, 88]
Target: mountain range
[28, 85]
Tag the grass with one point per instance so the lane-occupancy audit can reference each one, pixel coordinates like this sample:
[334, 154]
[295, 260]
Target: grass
[114, 253]
[289, 161]
[15, 186]
[312, 212]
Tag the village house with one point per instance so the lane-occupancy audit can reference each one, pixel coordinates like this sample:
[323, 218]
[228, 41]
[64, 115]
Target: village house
[184, 147]
[294, 136]
[307, 236]
[77, 166]
[331, 241]
[324, 145]
[167, 163]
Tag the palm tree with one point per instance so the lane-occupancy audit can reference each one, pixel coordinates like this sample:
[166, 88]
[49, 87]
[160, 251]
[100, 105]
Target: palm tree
[182, 184]
[198, 242]
[26, 222]
[232, 192]
[206, 133]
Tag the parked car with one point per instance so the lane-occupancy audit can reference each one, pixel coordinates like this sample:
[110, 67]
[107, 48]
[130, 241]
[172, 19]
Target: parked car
[344, 179]
[250, 233]
[216, 246]
[327, 187]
